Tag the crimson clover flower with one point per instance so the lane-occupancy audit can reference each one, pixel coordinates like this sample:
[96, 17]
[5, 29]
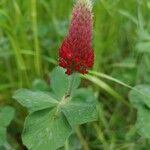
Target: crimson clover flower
[76, 53]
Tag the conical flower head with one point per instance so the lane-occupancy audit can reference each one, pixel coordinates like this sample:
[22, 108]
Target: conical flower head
[76, 53]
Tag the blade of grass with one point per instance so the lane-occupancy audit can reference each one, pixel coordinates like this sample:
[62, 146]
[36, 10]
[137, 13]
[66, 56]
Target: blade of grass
[107, 88]
[35, 37]
[101, 137]
[102, 75]
[82, 140]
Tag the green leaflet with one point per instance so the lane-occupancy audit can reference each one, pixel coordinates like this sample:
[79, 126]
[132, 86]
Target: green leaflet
[40, 85]
[140, 98]
[44, 131]
[143, 122]
[140, 95]
[53, 115]
[2, 135]
[6, 115]
[34, 100]
[60, 82]
[82, 108]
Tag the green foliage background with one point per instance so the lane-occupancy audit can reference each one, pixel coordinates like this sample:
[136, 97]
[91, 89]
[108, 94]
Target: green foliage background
[31, 32]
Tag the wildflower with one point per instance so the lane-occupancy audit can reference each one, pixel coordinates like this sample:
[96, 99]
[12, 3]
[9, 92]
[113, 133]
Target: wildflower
[76, 53]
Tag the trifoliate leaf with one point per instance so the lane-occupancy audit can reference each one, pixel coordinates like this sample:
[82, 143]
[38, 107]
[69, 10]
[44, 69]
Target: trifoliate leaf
[53, 114]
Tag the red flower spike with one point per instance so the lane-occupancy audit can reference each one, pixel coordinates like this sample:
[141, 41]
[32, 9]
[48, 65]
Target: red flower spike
[76, 53]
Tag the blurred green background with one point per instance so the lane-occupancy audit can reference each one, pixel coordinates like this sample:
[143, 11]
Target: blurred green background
[31, 32]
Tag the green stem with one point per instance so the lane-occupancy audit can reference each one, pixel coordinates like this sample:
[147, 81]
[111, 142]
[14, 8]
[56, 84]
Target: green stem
[66, 145]
[67, 95]
[71, 82]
